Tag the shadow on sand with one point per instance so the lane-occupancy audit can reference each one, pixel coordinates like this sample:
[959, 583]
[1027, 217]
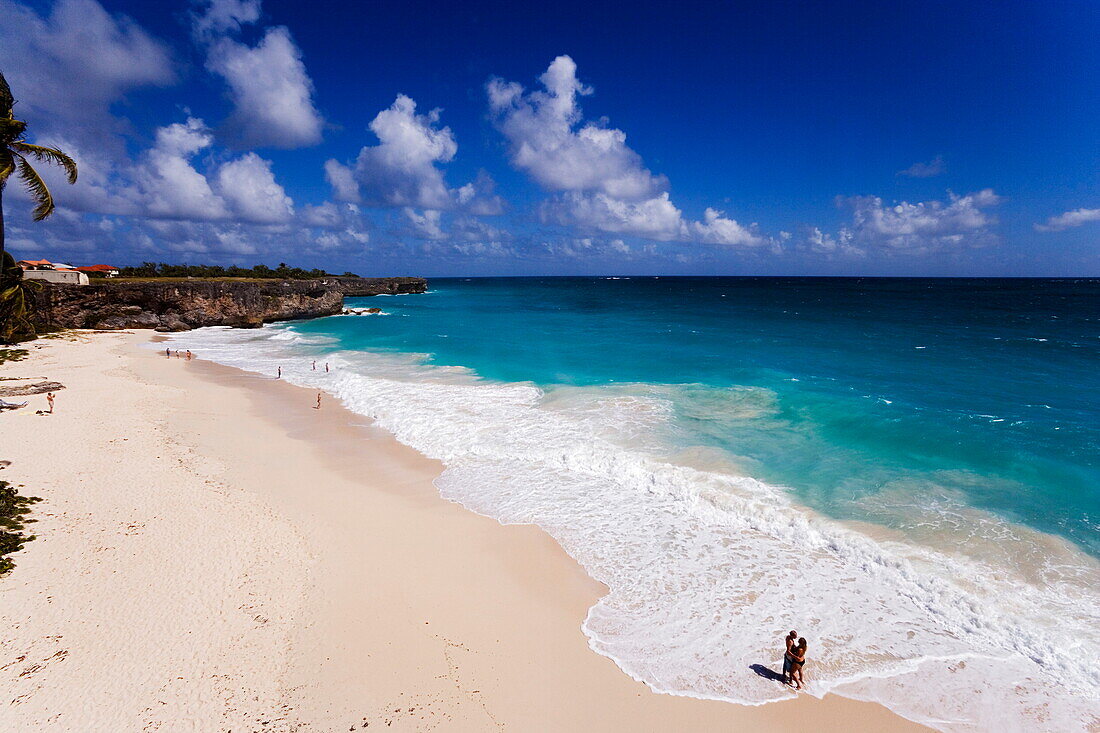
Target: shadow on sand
[766, 672]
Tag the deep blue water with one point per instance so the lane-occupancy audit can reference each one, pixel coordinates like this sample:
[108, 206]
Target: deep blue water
[865, 397]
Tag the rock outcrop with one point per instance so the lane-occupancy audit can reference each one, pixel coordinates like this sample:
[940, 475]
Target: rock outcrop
[358, 287]
[180, 306]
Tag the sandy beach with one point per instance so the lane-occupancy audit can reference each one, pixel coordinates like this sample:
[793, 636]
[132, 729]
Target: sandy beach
[214, 555]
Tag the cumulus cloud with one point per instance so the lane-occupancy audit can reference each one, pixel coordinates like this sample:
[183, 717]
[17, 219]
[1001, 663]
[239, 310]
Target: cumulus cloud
[653, 218]
[425, 224]
[403, 169]
[1069, 219]
[546, 138]
[169, 184]
[932, 168]
[717, 229]
[248, 186]
[271, 92]
[601, 184]
[917, 228]
[69, 67]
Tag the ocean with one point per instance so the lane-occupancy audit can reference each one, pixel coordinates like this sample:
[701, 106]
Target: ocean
[905, 471]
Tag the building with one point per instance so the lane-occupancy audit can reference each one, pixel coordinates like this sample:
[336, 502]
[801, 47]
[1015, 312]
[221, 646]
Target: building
[99, 270]
[61, 277]
[35, 264]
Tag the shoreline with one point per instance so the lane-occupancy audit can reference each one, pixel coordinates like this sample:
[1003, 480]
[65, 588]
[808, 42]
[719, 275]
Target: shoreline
[460, 622]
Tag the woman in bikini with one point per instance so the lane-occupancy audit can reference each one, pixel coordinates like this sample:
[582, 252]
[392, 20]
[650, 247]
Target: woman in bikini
[798, 658]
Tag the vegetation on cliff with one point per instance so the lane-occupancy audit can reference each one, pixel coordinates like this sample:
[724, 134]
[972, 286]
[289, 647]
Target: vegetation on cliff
[207, 272]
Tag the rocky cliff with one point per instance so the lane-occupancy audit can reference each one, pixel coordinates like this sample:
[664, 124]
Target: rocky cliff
[357, 287]
[183, 305]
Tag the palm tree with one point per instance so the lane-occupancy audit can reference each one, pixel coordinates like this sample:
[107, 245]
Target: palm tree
[13, 157]
[14, 151]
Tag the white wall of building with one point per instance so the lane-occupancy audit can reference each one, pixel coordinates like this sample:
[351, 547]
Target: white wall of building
[65, 277]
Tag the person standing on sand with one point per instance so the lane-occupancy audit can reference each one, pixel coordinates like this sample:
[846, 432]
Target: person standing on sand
[49, 401]
[168, 353]
[318, 405]
[787, 656]
[798, 658]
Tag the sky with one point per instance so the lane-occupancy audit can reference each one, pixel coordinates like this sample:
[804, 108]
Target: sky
[478, 138]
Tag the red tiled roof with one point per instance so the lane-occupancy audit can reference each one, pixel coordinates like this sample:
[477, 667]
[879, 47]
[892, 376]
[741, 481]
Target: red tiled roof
[96, 268]
[34, 263]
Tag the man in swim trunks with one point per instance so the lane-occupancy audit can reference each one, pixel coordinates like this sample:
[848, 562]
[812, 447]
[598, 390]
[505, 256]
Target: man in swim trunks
[787, 658]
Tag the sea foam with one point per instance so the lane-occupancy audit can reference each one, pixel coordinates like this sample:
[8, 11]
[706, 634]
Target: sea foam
[708, 570]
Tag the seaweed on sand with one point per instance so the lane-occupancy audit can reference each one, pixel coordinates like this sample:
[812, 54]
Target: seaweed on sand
[14, 509]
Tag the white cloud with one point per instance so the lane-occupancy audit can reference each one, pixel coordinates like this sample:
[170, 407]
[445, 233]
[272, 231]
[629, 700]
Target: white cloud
[403, 169]
[601, 184]
[932, 168]
[326, 214]
[67, 69]
[271, 92]
[477, 197]
[717, 229]
[544, 139]
[342, 180]
[654, 218]
[425, 224]
[249, 187]
[170, 186]
[922, 227]
[820, 242]
[1074, 218]
[224, 16]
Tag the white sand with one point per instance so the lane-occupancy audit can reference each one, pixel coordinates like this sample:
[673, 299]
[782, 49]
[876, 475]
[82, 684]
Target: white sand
[214, 555]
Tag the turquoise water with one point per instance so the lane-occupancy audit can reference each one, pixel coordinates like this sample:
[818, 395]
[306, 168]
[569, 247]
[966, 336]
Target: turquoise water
[986, 391]
[905, 471]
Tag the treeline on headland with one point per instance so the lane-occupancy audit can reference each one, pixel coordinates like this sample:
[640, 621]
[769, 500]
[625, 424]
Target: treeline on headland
[282, 272]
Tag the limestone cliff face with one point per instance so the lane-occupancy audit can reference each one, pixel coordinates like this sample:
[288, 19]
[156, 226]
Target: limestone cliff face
[180, 306]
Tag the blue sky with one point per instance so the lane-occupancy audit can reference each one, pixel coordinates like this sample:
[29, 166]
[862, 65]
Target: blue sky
[582, 138]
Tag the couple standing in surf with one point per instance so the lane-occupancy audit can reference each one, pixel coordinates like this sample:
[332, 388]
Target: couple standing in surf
[793, 659]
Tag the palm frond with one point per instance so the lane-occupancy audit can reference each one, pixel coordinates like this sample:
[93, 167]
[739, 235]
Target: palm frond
[7, 101]
[39, 191]
[50, 155]
[7, 165]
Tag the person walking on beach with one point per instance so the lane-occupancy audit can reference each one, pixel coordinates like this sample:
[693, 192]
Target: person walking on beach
[189, 355]
[168, 353]
[326, 367]
[279, 374]
[787, 659]
[315, 365]
[49, 401]
[318, 405]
